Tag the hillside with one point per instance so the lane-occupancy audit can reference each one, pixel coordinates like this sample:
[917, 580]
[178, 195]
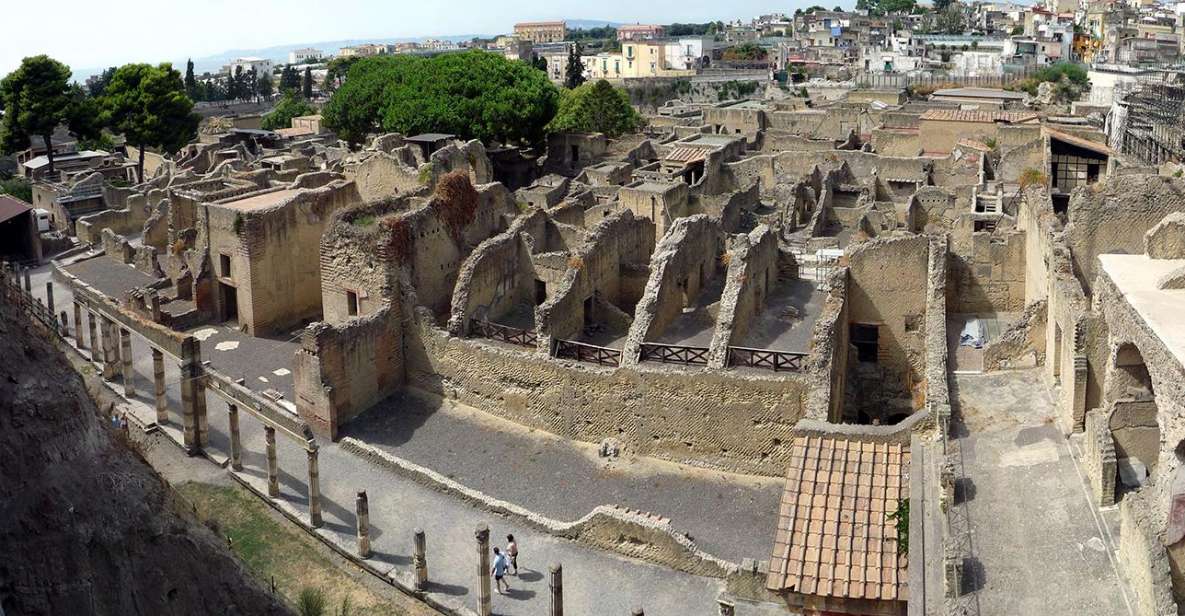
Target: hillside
[87, 527]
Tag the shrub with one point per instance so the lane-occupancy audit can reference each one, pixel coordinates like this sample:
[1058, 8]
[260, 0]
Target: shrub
[311, 602]
[455, 202]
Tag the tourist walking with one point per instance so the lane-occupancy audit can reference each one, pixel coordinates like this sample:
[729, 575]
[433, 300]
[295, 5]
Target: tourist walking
[512, 552]
[499, 571]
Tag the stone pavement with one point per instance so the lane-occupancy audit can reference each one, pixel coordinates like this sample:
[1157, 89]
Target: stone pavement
[1039, 545]
[728, 516]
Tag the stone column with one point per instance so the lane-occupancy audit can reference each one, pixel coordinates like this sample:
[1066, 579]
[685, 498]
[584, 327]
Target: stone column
[93, 344]
[482, 534]
[158, 385]
[419, 559]
[107, 330]
[28, 282]
[236, 443]
[362, 513]
[125, 356]
[637, 611]
[557, 590]
[314, 488]
[78, 339]
[65, 324]
[273, 470]
[49, 296]
[193, 396]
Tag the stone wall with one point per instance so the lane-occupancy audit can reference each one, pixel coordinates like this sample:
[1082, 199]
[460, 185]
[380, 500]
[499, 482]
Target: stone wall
[752, 270]
[621, 240]
[1022, 158]
[987, 273]
[275, 254]
[888, 290]
[1023, 339]
[1112, 217]
[341, 370]
[830, 352]
[498, 275]
[682, 263]
[714, 419]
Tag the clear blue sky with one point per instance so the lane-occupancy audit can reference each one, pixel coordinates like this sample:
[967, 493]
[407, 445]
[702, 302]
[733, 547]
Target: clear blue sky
[90, 33]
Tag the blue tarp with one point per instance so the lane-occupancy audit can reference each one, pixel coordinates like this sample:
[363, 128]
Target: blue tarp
[972, 334]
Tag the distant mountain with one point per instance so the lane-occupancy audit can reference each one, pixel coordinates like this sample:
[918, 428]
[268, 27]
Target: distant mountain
[279, 53]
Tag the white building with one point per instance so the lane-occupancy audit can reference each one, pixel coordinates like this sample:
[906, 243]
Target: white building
[688, 52]
[262, 67]
[308, 55]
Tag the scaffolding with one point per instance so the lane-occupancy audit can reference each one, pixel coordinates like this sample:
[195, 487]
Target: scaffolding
[1153, 127]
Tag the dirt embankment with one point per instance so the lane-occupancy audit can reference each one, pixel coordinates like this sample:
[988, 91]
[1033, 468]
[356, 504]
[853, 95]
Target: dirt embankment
[86, 527]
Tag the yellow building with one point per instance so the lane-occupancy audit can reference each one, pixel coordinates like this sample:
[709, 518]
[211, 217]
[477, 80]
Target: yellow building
[541, 31]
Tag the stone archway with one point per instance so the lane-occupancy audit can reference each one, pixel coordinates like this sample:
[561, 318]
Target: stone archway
[1132, 418]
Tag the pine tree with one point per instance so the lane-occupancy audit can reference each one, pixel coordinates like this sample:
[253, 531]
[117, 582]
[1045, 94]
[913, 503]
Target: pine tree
[190, 81]
[575, 72]
[307, 86]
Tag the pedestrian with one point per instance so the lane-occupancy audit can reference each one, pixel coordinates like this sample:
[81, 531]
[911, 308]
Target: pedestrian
[512, 552]
[499, 571]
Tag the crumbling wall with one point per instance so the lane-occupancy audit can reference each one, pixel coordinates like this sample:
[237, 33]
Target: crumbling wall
[341, 370]
[682, 264]
[1024, 338]
[356, 256]
[1021, 158]
[987, 273]
[596, 271]
[382, 175]
[129, 220]
[752, 272]
[896, 142]
[1113, 215]
[830, 352]
[495, 277]
[933, 209]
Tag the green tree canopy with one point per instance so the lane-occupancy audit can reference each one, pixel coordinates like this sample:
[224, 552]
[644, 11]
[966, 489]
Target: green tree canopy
[596, 107]
[191, 87]
[473, 94]
[36, 100]
[887, 7]
[306, 85]
[148, 105]
[289, 80]
[289, 107]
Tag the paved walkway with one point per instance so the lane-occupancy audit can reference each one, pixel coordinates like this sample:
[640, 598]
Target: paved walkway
[728, 516]
[1039, 545]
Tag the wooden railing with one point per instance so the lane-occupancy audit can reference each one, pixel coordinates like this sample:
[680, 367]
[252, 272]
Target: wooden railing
[570, 349]
[778, 361]
[505, 333]
[674, 354]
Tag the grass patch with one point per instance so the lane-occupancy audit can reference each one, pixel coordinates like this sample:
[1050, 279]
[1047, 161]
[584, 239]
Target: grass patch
[364, 221]
[271, 549]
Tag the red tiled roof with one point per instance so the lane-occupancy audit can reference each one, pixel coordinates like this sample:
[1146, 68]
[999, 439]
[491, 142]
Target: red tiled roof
[1082, 142]
[835, 537]
[959, 115]
[11, 207]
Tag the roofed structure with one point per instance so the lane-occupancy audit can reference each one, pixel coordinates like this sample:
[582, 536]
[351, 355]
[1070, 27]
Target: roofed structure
[836, 537]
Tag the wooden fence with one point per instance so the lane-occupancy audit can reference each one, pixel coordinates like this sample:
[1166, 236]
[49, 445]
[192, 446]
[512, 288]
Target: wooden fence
[504, 333]
[570, 349]
[674, 354]
[778, 361]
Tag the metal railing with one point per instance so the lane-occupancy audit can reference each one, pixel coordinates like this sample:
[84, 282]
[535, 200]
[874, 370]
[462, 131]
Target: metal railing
[674, 354]
[24, 299]
[504, 333]
[580, 351]
[778, 361]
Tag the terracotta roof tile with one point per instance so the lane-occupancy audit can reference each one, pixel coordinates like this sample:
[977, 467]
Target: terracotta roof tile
[834, 536]
[959, 115]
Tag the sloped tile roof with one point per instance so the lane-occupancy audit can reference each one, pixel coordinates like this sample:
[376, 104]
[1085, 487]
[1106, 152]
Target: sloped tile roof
[960, 115]
[835, 537]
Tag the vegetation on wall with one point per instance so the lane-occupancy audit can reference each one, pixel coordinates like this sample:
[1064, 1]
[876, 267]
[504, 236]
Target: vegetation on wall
[596, 108]
[474, 95]
[455, 203]
[399, 239]
[17, 187]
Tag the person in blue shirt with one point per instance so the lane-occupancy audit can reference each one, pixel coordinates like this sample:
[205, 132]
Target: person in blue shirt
[499, 570]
